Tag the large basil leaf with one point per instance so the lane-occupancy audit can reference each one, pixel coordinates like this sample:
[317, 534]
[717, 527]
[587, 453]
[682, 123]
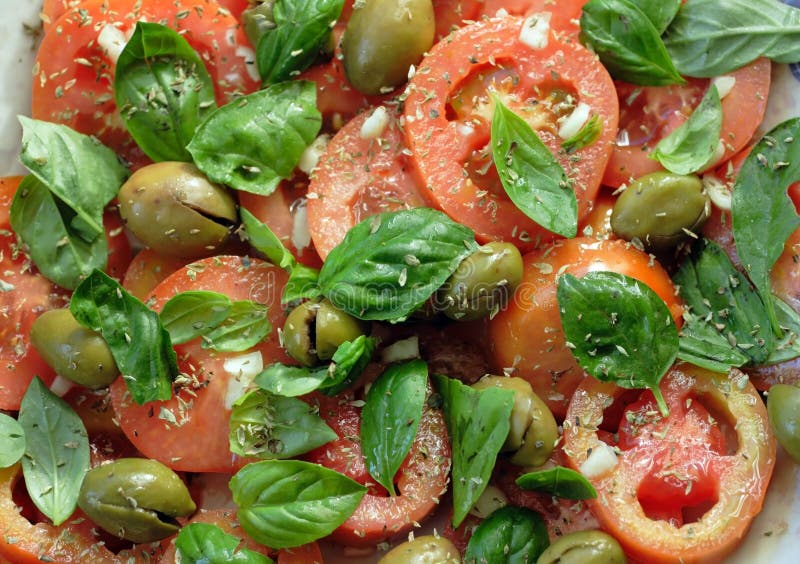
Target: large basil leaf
[531, 175]
[389, 264]
[659, 12]
[190, 314]
[139, 343]
[246, 325]
[712, 37]
[390, 419]
[162, 90]
[286, 503]
[559, 481]
[56, 451]
[12, 441]
[618, 329]
[204, 543]
[254, 141]
[510, 535]
[478, 422]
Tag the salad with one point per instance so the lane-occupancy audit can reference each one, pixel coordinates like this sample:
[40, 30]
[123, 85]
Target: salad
[497, 281]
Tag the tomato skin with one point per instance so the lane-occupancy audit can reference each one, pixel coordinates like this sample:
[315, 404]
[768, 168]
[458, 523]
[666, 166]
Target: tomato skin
[565, 14]
[147, 270]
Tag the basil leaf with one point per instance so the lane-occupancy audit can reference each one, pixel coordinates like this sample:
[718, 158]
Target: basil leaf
[303, 283]
[712, 37]
[618, 329]
[788, 347]
[190, 314]
[659, 12]
[149, 367]
[204, 543]
[369, 274]
[478, 422]
[275, 427]
[291, 381]
[763, 214]
[162, 90]
[348, 362]
[302, 28]
[56, 451]
[585, 136]
[700, 343]
[690, 147]
[247, 325]
[390, 419]
[12, 441]
[287, 503]
[254, 141]
[531, 175]
[510, 535]
[627, 42]
[559, 481]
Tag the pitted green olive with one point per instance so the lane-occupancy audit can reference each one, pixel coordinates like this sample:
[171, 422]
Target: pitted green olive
[383, 39]
[482, 283]
[534, 432]
[584, 547]
[174, 209]
[783, 408]
[258, 20]
[427, 549]
[661, 209]
[136, 499]
[73, 351]
[315, 329]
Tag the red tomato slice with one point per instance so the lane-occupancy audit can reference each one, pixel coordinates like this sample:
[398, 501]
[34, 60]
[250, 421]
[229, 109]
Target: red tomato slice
[197, 440]
[147, 270]
[448, 117]
[565, 15]
[449, 15]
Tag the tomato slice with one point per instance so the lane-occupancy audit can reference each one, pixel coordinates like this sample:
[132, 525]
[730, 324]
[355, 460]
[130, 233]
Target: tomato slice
[448, 118]
[190, 431]
[565, 15]
[147, 270]
[449, 15]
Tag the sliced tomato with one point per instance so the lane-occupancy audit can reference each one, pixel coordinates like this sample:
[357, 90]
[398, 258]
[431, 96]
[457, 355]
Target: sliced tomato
[190, 431]
[147, 270]
[449, 15]
[684, 488]
[565, 15]
[120, 253]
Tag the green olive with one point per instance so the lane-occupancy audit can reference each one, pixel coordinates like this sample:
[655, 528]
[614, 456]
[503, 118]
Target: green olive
[383, 39]
[315, 329]
[136, 499]
[258, 20]
[427, 549]
[482, 283]
[661, 210]
[783, 407]
[584, 547]
[175, 210]
[73, 351]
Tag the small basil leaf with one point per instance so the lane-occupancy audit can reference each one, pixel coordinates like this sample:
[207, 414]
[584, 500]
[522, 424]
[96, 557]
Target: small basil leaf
[478, 422]
[254, 141]
[303, 283]
[287, 503]
[347, 363]
[189, 315]
[690, 147]
[149, 367]
[510, 535]
[585, 136]
[204, 543]
[291, 381]
[531, 175]
[12, 441]
[56, 451]
[701, 343]
[268, 426]
[162, 90]
[390, 419]
[627, 42]
[560, 482]
[618, 329]
[788, 347]
[659, 12]
[368, 274]
[247, 325]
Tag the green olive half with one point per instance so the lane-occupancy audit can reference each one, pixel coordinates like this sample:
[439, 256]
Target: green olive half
[584, 547]
[315, 329]
[174, 209]
[783, 408]
[136, 499]
[73, 351]
[427, 549]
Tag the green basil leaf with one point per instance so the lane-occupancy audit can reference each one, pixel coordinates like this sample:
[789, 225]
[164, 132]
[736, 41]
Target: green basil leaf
[303, 283]
[788, 347]
[287, 503]
[690, 147]
[204, 543]
[390, 419]
[302, 28]
[659, 12]
[12, 441]
[478, 422]
[269, 426]
[559, 481]
[149, 367]
[291, 381]
[618, 329]
[56, 451]
[254, 141]
[701, 343]
[510, 535]
[162, 90]
[627, 42]
[247, 325]
[712, 37]
[531, 176]
[586, 135]
[189, 315]
[369, 274]
[347, 363]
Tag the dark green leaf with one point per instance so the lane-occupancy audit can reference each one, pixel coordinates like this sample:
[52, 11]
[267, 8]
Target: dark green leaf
[56, 452]
[510, 535]
[189, 315]
[558, 481]
[162, 90]
[291, 381]
[287, 503]
[703, 345]
[788, 347]
[204, 543]
[149, 367]
[247, 325]
[586, 135]
[12, 441]
[348, 362]
[531, 175]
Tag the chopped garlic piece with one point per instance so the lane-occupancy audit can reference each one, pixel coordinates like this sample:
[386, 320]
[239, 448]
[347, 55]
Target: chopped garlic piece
[573, 123]
[243, 370]
[404, 349]
[310, 157]
[601, 460]
[535, 32]
[724, 84]
[718, 191]
[301, 235]
[375, 124]
[112, 40]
